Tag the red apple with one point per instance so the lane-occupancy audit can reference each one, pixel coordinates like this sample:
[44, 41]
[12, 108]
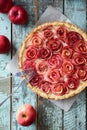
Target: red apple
[25, 115]
[4, 44]
[17, 15]
[5, 5]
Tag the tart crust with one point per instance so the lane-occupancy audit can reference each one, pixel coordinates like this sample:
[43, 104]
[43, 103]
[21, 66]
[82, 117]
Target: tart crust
[82, 85]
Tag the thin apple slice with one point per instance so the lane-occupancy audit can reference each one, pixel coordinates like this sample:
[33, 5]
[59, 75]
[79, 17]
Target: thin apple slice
[55, 61]
[45, 86]
[54, 44]
[82, 73]
[66, 52]
[36, 80]
[44, 53]
[59, 89]
[62, 33]
[42, 66]
[68, 68]
[31, 52]
[27, 64]
[81, 47]
[73, 37]
[73, 83]
[53, 76]
[78, 59]
[47, 32]
[36, 40]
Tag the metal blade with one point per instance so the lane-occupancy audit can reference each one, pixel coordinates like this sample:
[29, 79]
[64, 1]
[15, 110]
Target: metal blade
[28, 74]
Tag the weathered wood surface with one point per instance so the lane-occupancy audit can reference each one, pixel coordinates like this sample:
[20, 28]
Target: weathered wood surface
[5, 29]
[23, 95]
[49, 116]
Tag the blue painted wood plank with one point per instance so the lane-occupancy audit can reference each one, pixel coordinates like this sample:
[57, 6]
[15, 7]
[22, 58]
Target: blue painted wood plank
[75, 119]
[42, 5]
[58, 4]
[76, 11]
[5, 29]
[23, 95]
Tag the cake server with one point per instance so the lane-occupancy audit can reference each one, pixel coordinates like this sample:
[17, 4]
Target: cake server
[28, 74]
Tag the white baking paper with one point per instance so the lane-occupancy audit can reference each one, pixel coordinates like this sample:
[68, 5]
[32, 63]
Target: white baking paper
[50, 14]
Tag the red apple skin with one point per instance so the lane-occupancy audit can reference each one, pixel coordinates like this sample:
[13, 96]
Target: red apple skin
[25, 115]
[18, 15]
[4, 44]
[5, 6]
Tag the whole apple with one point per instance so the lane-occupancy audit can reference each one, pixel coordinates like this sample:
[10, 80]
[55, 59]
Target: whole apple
[4, 44]
[18, 15]
[5, 6]
[25, 115]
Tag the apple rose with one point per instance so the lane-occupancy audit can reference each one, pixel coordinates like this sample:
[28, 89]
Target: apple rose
[31, 53]
[54, 44]
[36, 40]
[53, 76]
[55, 61]
[66, 52]
[42, 66]
[48, 32]
[81, 47]
[73, 83]
[45, 86]
[28, 64]
[78, 59]
[59, 88]
[62, 33]
[73, 37]
[68, 68]
[85, 57]
[44, 53]
[36, 80]
[82, 73]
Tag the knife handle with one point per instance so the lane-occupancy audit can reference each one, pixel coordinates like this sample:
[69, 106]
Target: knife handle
[28, 77]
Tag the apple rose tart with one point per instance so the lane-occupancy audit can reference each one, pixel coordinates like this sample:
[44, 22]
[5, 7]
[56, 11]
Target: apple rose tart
[57, 51]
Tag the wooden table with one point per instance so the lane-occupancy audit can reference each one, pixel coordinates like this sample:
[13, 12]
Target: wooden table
[49, 116]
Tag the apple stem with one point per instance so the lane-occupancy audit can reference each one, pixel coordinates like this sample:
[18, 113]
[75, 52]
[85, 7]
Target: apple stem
[23, 115]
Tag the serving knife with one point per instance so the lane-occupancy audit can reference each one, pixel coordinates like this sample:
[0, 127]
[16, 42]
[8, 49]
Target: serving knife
[27, 74]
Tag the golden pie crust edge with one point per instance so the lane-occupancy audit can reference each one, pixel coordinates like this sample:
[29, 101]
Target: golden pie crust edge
[81, 87]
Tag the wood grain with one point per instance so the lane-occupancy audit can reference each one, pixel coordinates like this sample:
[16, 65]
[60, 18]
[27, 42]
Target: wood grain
[58, 4]
[75, 119]
[5, 29]
[42, 5]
